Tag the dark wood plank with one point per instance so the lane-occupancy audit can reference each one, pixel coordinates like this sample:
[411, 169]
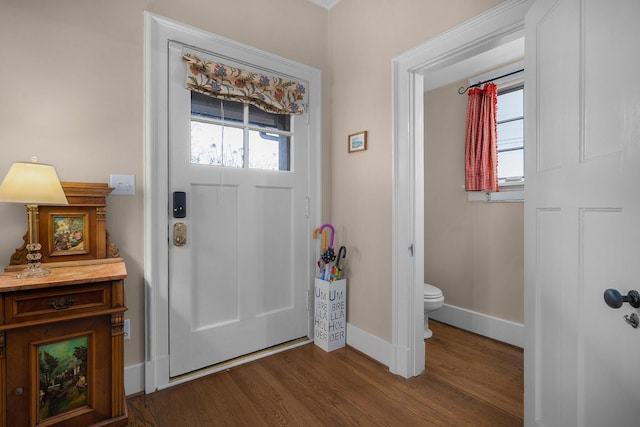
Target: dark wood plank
[470, 380]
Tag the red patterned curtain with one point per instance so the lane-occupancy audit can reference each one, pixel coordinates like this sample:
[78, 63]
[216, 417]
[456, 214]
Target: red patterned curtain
[481, 145]
[269, 93]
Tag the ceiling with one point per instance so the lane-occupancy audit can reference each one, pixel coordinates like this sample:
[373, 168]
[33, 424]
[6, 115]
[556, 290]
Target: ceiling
[474, 67]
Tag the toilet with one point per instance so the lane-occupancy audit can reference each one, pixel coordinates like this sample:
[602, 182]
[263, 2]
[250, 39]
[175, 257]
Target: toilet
[433, 300]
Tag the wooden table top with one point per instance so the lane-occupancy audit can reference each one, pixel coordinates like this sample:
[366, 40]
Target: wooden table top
[101, 271]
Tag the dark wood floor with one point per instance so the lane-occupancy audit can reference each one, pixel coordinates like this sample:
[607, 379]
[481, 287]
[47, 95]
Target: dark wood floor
[470, 381]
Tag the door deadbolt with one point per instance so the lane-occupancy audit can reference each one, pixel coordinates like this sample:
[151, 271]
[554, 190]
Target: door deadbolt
[179, 234]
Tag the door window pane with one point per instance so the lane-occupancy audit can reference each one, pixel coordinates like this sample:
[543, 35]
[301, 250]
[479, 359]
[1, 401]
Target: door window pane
[268, 151]
[216, 145]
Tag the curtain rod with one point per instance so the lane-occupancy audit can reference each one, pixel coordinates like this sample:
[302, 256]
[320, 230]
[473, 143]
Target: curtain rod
[462, 89]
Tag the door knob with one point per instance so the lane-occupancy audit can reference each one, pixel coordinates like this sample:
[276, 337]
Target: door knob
[614, 299]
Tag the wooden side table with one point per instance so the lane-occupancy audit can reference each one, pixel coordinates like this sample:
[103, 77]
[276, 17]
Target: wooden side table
[62, 347]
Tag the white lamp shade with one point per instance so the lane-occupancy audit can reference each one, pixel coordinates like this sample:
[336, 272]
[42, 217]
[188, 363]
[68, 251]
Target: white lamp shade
[32, 183]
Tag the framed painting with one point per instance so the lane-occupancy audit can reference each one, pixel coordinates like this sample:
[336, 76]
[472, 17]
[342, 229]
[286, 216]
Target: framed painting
[357, 141]
[69, 233]
[64, 380]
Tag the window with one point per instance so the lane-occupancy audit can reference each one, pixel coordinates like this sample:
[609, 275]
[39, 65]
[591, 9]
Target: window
[510, 120]
[233, 134]
[510, 123]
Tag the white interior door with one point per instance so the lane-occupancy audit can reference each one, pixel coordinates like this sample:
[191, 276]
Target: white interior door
[239, 284]
[582, 212]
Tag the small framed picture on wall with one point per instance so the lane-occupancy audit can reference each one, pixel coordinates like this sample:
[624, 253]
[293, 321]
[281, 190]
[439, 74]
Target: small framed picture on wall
[357, 141]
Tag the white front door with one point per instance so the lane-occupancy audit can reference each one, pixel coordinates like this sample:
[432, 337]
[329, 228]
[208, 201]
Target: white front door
[582, 215]
[239, 282]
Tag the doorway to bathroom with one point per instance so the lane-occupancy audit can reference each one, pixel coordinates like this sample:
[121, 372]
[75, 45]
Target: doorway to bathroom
[496, 27]
[474, 244]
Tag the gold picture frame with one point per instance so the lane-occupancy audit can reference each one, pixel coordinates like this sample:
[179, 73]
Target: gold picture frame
[69, 233]
[357, 142]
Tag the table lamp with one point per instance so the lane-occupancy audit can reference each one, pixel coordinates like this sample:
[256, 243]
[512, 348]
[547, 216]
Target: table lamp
[32, 184]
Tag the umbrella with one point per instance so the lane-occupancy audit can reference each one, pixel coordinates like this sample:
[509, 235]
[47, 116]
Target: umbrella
[321, 262]
[328, 254]
[337, 271]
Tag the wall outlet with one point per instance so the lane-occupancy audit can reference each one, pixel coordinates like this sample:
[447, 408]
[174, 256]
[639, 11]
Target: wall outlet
[127, 330]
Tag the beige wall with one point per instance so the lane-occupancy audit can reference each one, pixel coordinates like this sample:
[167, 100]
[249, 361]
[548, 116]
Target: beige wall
[71, 85]
[365, 36]
[474, 251]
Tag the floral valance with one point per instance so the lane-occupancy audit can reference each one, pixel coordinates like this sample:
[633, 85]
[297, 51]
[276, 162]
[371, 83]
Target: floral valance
[269, 93]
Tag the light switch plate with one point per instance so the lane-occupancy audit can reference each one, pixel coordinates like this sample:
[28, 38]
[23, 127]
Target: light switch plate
[123, 185]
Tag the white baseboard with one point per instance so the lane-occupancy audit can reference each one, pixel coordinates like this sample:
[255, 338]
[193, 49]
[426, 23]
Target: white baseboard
[133, 379]
[481, 324]
[369, 344]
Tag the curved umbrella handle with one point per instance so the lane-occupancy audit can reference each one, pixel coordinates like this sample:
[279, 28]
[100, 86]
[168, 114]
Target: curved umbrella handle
[342, 253]
[333, 232]
[324, 238]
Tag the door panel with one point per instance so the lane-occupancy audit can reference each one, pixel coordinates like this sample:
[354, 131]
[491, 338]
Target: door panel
[558, 115]
[582, 211]
[217, 256]
[276, 237]
[556, 372]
